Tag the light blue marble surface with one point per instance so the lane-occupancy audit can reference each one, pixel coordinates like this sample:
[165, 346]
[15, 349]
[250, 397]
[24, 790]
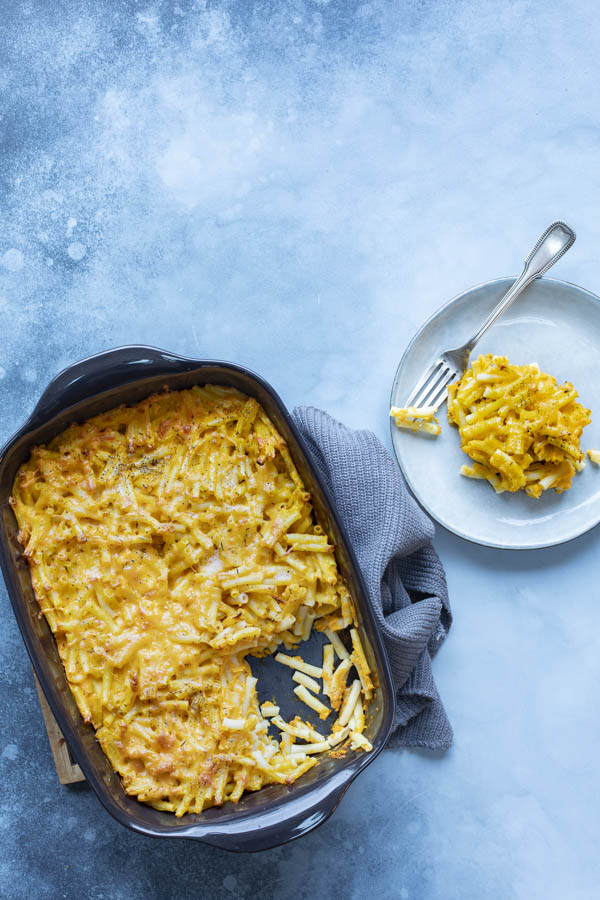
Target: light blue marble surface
[295, 186]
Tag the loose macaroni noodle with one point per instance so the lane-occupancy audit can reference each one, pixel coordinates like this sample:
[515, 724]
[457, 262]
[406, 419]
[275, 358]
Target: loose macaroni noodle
[416, 418]
[166, 542]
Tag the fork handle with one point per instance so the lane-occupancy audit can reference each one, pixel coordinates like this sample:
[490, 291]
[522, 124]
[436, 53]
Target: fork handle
[552, 244]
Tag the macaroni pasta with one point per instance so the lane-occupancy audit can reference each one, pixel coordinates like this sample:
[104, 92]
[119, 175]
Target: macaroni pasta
[167, 541]
[520, 428]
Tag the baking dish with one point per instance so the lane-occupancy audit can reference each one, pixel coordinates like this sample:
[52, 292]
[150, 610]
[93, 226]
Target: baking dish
[277, 813]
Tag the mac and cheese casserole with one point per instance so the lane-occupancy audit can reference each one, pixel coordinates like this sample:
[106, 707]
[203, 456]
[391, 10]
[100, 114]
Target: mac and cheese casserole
[167, 542]
[520, 428]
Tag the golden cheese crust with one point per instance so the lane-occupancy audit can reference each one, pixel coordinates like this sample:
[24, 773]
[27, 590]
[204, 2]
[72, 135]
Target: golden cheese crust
[166, 542]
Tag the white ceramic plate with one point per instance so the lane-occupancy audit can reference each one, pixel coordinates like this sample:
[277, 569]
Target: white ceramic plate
[554, 324]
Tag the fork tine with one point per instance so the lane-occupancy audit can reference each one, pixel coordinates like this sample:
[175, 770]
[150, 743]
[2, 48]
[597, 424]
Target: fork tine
[435, 391]
[423, 380]
[432, 386]
[441, 395]
[442, 392]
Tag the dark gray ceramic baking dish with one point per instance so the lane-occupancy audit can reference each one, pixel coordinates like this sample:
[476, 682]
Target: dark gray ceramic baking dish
[277, 813]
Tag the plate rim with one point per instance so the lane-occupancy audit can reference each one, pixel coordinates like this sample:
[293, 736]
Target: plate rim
[415, 493]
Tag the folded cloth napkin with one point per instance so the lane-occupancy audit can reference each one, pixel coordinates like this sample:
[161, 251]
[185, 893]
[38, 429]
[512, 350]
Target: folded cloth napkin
[392, 539]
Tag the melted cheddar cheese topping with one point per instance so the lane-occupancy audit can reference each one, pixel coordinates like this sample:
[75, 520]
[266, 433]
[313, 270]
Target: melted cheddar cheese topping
[166, 542]
[520, 428]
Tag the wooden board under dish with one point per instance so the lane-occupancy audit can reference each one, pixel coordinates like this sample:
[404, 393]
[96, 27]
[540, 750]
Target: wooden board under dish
[66, 768]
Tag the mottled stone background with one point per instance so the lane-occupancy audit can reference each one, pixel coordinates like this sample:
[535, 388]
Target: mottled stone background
[295, 186]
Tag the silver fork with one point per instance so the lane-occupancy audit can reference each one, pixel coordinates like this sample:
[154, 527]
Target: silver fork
[431, 389]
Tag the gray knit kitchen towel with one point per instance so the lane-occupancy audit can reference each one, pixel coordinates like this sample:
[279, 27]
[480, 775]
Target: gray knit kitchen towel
[392, 539]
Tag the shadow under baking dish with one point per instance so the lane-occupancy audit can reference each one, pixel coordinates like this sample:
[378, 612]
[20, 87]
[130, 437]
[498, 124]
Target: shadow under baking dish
[277, 813]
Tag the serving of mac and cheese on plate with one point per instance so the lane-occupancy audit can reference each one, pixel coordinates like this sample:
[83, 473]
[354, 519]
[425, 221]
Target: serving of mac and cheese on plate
[521, 429]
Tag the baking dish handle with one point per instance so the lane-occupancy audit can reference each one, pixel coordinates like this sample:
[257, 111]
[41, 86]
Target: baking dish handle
[97, 373]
